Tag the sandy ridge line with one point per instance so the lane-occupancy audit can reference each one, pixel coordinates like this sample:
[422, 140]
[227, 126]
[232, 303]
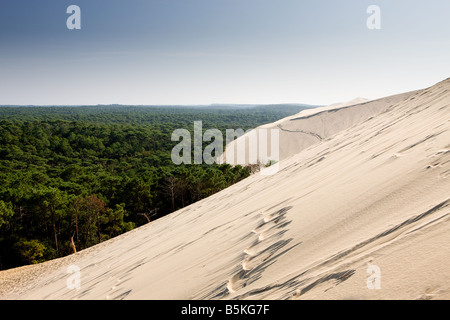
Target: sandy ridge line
[315, 135]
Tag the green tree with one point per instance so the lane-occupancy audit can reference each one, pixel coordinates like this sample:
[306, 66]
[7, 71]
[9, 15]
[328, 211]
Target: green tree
[53, 203]
[30, 251]
[6, 212]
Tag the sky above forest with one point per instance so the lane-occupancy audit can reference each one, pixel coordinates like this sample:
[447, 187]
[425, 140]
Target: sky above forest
[160, 52]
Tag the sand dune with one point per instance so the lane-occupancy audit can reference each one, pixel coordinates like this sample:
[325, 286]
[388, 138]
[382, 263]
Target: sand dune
[364, 213]
[307, 128]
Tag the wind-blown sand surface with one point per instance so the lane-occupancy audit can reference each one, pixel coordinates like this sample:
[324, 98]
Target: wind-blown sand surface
[308, 127]
[372, 196]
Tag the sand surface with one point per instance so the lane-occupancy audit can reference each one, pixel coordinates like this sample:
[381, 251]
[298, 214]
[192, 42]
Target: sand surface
[302, 130]
[363, 213]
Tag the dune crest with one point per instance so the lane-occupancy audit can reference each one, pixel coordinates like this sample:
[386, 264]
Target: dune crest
[309, 127]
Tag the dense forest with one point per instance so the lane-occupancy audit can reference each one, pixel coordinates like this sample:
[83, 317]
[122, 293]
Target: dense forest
[71, 177]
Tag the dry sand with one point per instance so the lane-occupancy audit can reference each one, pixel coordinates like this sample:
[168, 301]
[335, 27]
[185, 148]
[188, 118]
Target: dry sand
[373, 196]
[307, 128]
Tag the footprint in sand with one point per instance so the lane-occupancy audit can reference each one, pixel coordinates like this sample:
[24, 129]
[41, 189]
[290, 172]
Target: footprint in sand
[268, 234]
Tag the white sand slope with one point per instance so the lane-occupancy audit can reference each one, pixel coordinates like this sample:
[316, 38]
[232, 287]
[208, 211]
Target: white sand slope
[306, 128]
[372, 198]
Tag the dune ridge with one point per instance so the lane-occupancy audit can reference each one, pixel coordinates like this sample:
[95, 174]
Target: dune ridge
[310, 126]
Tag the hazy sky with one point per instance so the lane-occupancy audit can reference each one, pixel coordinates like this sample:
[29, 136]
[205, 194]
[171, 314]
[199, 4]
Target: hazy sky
[219, 51]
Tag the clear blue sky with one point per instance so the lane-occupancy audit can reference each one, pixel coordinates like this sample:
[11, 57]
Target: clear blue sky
[219, 51]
